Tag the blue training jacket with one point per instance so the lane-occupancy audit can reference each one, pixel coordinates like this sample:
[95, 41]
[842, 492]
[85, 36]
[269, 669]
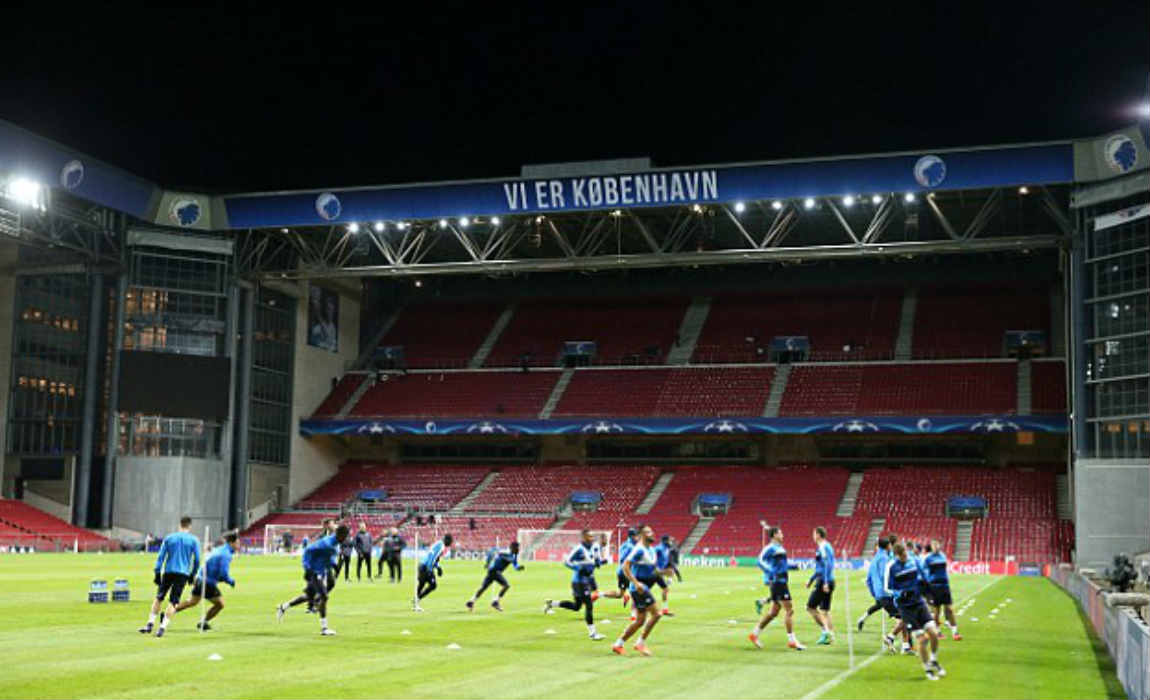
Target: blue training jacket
[902, 578]
[431, 559]
[773, 562]
[582, 562]
[824, 564]
[179, 554]
[936, 573]
[218, 566]
[317, 556]
[624, 551]
[875, 575]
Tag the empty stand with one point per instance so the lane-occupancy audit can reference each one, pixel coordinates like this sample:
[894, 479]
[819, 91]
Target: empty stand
[901, 389]
[543, 489]
[1048, 387]
[458, 394]
[691, 391]
[970, 322]
[627, 331]
[22, 524]
[442, 335]
[432, 487]
[867, 321]
[339, 395]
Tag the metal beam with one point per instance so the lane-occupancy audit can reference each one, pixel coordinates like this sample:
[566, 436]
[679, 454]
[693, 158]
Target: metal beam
[709, 257]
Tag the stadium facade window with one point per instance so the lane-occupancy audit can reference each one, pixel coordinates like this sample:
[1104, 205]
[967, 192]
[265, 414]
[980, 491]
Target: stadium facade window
[49, 349]
[160, 436]
[1117, 349]
[273, 355]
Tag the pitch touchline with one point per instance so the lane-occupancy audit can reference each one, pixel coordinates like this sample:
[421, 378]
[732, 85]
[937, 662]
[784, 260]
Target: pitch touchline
[843, 675]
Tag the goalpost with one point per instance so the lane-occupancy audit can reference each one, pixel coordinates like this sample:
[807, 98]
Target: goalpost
[274, 537]
[554, 545]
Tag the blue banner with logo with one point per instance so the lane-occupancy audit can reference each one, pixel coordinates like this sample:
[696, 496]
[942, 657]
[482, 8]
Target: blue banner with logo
[934, 425]
[941, 170]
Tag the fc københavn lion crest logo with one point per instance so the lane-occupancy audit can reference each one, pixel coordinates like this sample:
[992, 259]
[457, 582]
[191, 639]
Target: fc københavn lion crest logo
[328, 206]
[71, 175]
[930, 171]
[1121, 154]
[185, 211]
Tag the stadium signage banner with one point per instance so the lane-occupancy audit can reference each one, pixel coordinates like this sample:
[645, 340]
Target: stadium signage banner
[709, 562]
[911, 172]
[605, 427]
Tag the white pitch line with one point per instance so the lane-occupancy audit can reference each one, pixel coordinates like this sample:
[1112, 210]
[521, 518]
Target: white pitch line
[842, 676]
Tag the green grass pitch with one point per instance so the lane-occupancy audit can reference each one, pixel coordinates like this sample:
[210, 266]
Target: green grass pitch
[58, 645]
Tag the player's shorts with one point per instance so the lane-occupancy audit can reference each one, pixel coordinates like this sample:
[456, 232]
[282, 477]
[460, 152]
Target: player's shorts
[643, 599]
[211, 591]
[821, 600]
[583, 589]
[495, 577]
[940, 594]
[622, 580]
[914, 613]
[426, 575]
[779, 592]
[888, 605]
[172, 586]
[316, 588]
[661, 582]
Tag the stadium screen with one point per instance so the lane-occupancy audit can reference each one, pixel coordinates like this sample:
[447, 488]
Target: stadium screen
[179, 386]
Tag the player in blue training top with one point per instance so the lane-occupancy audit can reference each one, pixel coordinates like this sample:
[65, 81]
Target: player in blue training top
[620, 578]
[874, 584]
[584, 558]
[317, 562]
[773, 562]
[177, 562]
[663, 570]
[217, 570]
[429, 569]
[938, 579]
[819, 602]
[902, 582]
[497, 562]
[640, 569]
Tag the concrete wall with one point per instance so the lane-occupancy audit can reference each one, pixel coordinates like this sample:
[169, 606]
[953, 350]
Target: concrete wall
[152, 493]
[317, 460]
[1111, 509]
[263, 480]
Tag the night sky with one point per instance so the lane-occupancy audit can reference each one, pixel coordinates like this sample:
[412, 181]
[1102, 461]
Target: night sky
[243, 100]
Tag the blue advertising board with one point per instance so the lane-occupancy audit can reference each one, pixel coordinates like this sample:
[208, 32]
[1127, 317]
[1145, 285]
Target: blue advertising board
[940, 170]
[935, 425]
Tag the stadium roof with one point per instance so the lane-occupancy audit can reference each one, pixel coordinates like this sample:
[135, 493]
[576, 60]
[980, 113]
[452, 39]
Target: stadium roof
[622, 213]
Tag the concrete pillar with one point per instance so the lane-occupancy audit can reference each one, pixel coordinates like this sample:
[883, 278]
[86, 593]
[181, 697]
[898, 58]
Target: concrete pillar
[117, 343]
[92, 389]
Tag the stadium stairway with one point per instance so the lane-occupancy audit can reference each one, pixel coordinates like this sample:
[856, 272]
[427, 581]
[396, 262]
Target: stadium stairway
[905, 340]
[1025, 404]
[458, 508]
[492, 338]
[657, 490]
[697, 533]
[778, 388]
[872, 535]
[850, 495]
[557, 393]
[689, 329]
[356, 395]
[1062, 498]
[962, 537]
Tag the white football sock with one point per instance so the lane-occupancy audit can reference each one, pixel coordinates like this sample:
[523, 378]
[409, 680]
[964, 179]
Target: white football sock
[323, 623]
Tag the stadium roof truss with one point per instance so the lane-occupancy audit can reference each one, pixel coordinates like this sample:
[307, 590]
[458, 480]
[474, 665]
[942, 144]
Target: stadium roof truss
[884, 225]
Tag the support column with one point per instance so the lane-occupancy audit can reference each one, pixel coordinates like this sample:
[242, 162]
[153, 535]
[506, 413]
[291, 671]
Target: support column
[240, 482]
[92, 389]
[229, 429]
[113, 442]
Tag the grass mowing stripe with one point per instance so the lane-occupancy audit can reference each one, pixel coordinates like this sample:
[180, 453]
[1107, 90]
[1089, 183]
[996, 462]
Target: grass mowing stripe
[818, 692]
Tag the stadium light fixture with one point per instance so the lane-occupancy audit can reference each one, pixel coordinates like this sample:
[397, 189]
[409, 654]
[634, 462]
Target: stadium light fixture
[776, 205]
[539, 219]
[380, 226]
[464, 221]
[443, 223]
[1024, 190]
[283, 230]
[876, 199]
[401, 225]
[849, 200]
[740, 207]
[696, 208]
[617, 213]
[809, 203]
[24, 192]
[418, 283]
[908, 197]
[495, 221]
[353, 227]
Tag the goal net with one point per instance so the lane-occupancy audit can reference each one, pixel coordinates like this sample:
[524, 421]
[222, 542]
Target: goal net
[555, 545]
[288, 539]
